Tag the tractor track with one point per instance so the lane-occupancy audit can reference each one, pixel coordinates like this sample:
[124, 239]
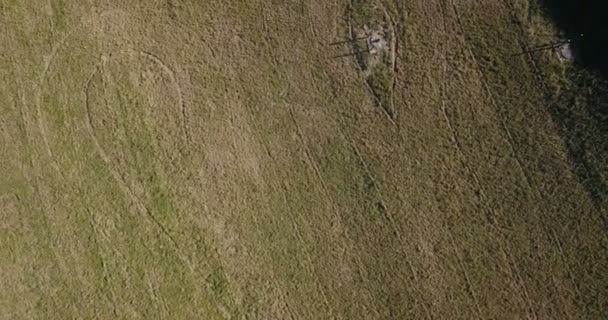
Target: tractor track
[122, 183]
[516, 274]
[531, 185]
[49, 60]
[182, 104]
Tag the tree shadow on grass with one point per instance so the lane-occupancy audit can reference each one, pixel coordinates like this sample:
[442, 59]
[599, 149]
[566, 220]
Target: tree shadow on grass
[582, 111]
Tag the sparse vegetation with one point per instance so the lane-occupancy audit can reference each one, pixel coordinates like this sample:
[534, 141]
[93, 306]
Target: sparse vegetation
[208, 159]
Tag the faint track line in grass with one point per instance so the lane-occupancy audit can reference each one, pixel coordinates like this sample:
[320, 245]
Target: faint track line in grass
[91, 219]
[490, 95]
[264, 144]
[108, 162]
[300, 237]
[395, 128]
[388, 216]
[120, 181]
[285, 192]
[547, 87]
[375, 96]
[393, 53]
[479, 186]
[297, 230]
[537, 72]
[32, 176]
[467, 278]
[456, 142]
[311, 22]
[119, 254]
[23, 112]
[532, 186]
[267, 30]
[283, 298]
[298, 234]
[178, 89]
[38, 100]
[161, 303]
[308, 254]
[282, 295]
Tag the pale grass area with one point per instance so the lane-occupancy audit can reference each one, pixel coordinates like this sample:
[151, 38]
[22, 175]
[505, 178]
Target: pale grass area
[209, 160]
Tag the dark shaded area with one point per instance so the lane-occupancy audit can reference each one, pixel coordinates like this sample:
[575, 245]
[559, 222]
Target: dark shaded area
[582, 110]
[586, 138]
[588, 18]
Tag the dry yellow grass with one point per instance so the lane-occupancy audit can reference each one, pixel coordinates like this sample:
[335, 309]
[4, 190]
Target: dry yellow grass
[208, 159]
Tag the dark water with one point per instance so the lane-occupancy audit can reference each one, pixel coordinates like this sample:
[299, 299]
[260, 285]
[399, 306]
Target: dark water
[589, 18]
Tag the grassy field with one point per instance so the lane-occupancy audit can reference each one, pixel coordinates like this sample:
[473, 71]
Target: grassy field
[211, 160]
